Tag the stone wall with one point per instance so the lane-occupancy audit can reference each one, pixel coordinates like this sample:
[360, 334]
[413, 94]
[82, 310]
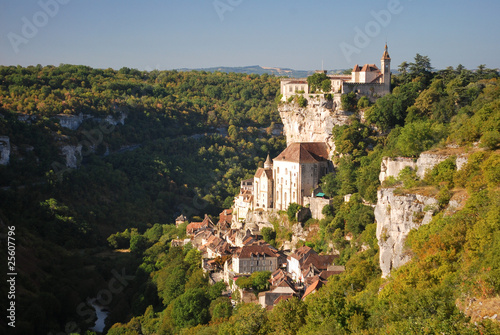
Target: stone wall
[316, 206]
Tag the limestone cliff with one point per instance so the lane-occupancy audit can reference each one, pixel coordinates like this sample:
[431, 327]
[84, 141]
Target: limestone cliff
[4, 150]
[313, 123]
[72, 154]
[396, 215]
[427, 160]
[391, 167]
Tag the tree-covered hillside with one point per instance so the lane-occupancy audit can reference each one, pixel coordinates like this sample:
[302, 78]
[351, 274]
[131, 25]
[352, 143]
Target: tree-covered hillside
[455, 258]
[187, 141]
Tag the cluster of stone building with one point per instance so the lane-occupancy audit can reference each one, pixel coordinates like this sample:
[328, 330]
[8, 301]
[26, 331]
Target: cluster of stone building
[229, 253]
[367, 80]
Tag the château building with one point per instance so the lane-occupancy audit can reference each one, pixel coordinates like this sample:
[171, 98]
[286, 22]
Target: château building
[367, 80]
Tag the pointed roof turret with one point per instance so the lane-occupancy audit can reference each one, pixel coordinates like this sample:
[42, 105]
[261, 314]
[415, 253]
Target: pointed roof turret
[386, 56]
[268, 164]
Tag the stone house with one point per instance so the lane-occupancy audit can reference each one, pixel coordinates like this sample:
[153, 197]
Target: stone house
[255, 257]
[195, 227]
[305, 262]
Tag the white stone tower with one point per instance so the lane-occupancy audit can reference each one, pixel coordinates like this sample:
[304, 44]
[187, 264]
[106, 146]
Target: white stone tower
[385, 63]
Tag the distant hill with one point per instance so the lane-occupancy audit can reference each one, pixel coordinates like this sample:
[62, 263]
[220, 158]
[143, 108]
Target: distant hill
[257, 69]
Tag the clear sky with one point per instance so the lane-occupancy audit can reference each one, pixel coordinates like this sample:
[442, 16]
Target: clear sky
[172, 34]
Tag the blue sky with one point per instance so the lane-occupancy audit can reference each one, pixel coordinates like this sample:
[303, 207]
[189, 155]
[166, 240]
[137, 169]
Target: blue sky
[171, 34]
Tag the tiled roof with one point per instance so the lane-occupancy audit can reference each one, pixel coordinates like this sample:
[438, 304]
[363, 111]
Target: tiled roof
[282, 297]
[248, 251]
[313, 288]
[225, 216]
[302, 252]
[305, 152]
[369, 68]
[267, 172]
[356, 68]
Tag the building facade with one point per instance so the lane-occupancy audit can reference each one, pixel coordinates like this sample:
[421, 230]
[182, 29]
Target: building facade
[252, 258]
[367, 80]
[297, 171]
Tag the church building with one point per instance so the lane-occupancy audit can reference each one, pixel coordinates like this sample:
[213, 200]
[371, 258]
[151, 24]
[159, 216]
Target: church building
[291, 176]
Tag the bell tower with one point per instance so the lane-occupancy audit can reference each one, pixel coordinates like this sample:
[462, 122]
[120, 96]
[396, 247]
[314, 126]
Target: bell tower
[385, 63]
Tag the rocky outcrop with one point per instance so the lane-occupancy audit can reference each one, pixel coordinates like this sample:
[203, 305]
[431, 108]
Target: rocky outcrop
[396, 216]
[73, 155]
[428, 160]
[391, 167]
[72, 122]
[313, 123]
[115, 120]
[4, 150]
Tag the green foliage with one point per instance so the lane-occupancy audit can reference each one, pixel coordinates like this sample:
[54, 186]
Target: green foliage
[191, 308]
[220, 308]
[316, 82]
[138, 244]
[363, 102]
[391, 110]
[292, 210]
[302, 101]
[215, 290]
[269, 235]
[348, 102]
[408, 177]
[444, 172]
[418, 136]
[288, 316]
[247, 319]
[258, 281]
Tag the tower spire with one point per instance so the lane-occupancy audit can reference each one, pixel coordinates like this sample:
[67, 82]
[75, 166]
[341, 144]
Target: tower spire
[268, 164]
[386, 53]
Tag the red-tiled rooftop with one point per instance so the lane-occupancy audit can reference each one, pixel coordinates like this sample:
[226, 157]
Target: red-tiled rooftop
[304, 152]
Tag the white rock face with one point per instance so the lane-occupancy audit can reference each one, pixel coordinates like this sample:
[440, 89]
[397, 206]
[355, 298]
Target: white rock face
[116, 120]
[313, 123]
[428, 160]
[461, 161]
[70, 121]
[4, 150]
[391, 167]
[396, 215]
[73, 155]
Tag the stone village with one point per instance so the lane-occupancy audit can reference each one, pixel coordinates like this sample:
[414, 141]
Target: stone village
[233, 247]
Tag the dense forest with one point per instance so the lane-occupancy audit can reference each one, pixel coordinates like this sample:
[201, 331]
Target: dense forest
[187, 140]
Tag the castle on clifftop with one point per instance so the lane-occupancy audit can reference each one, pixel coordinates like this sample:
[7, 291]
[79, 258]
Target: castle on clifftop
[368, 80]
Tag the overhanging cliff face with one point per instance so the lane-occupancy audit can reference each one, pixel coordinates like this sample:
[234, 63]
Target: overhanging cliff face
[313, 123]
[396, 215]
